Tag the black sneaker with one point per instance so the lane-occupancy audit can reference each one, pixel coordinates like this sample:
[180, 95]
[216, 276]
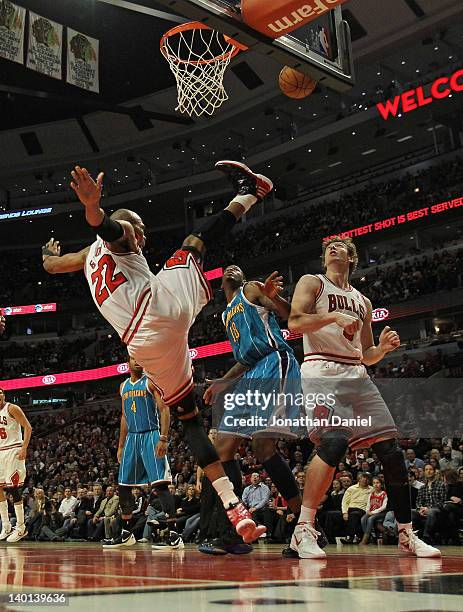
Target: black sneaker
[244, 180]
[289, 553]
[173, 542]
[125, 539]
[223, 546]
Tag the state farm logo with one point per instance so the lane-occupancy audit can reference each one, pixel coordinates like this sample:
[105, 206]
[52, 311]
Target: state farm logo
[123, 368]
[49, 380]
[380, 314]
[285, 333]
[193, 353]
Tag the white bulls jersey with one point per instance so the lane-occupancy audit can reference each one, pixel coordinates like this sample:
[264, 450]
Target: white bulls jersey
[10, 430]
[332, 343]
[120, 284]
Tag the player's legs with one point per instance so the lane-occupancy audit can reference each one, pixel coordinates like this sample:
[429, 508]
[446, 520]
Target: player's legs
[208, 459]
[398, 492]
[6, 525]
[250, 188]
[19, 532]
[127, 504]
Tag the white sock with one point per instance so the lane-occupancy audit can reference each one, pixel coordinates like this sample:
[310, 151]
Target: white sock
[225, 491]
[19, 511]
[307, 515]
[246, 201]
[404, 526]
[4, 514]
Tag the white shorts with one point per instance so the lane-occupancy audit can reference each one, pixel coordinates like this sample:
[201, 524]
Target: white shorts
[12, 470]
[346, 392]
[179, 293]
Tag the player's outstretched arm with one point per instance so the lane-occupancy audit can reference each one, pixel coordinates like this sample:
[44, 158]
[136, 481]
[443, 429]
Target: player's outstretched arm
[55, 263]
[388, 340]
[267, 294]
[219, 384]
[19, 416]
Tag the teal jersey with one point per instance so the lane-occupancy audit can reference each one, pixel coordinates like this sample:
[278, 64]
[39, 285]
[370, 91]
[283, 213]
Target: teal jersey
[140, 410]
[253, 330]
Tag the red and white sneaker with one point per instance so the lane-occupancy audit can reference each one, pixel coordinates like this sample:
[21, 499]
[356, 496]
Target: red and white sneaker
[241, 519]
[244, 180]
[411, 544]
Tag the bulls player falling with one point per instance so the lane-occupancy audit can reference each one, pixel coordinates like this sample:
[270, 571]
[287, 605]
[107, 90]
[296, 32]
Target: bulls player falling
[335, 320]
[13, 450]
[153, 313]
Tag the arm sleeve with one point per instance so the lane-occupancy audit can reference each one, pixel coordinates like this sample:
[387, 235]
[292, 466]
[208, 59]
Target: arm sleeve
[346, 500]
[245, 497]
[109, 230]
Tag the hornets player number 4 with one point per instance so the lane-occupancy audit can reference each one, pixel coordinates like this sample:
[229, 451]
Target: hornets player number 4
[142, 450]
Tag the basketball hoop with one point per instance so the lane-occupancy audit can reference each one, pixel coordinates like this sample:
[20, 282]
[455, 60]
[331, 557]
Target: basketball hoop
[198, 57]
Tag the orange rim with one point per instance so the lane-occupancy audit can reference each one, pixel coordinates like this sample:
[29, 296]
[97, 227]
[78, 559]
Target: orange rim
[198, 25]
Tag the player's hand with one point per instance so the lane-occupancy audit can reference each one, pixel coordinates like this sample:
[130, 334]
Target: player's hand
[88, 191]
[216, 385]
[346, 322]
[161, 449]
[389, 340]
[21, 454]
[273, 285]
[119, 453]
[2, 324]
[53, 246]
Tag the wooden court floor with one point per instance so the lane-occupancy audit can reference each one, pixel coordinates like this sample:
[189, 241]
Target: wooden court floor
[139, 578]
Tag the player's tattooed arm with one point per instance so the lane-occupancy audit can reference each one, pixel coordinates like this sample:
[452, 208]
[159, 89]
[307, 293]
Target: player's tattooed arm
[388, 340]
[267, 294]
[55, 263]
[19, 416]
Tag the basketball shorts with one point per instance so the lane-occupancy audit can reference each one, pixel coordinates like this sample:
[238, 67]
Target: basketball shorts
[139, 465]
[264, 401]
[12, 470]
[345, 396]
[179, 292]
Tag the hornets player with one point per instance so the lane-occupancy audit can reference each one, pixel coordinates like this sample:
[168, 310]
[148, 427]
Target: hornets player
[265, 364]
[142, 448]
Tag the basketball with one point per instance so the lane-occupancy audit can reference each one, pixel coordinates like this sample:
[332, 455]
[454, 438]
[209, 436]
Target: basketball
[296, 84]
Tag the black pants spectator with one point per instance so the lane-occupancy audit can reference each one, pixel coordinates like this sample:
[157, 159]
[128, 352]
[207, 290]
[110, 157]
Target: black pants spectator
[427, 523]
[453, 513]
[354, 526]
[333, 525]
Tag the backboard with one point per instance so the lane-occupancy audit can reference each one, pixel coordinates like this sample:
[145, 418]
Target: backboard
[321, 49]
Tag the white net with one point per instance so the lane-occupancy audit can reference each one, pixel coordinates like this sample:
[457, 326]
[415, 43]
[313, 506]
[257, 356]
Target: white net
[198, 59]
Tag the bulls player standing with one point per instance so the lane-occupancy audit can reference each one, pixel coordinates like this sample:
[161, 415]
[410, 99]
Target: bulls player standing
[335, 320]
[13, 450]
[153, 313]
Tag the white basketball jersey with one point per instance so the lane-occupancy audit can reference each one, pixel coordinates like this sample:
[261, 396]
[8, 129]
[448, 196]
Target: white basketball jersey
[120, 284]
[10, 430]
[332, 343]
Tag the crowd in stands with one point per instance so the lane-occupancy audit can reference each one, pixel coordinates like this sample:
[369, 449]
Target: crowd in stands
[71, 487]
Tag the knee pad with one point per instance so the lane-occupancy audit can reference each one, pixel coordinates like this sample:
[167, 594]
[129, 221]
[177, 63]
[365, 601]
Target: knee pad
[333, 447]
[186, 407]
[200, 445]
[126, 500]
[391, 456]
[17, 494]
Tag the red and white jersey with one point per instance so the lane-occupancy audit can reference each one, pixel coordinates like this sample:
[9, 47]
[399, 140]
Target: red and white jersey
[10, 430]
[331, 343]
[121, 285]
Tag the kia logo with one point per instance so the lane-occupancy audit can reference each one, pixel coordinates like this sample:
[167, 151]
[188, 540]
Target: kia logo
[49, 380]
[193, 353]
[38, 308]
[123, 368]
[286, 333]
[380, 314]
[8, 311]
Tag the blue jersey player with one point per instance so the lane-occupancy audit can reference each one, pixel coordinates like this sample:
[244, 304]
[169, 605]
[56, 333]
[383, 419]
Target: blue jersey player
[265, 364]
[142, 448]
